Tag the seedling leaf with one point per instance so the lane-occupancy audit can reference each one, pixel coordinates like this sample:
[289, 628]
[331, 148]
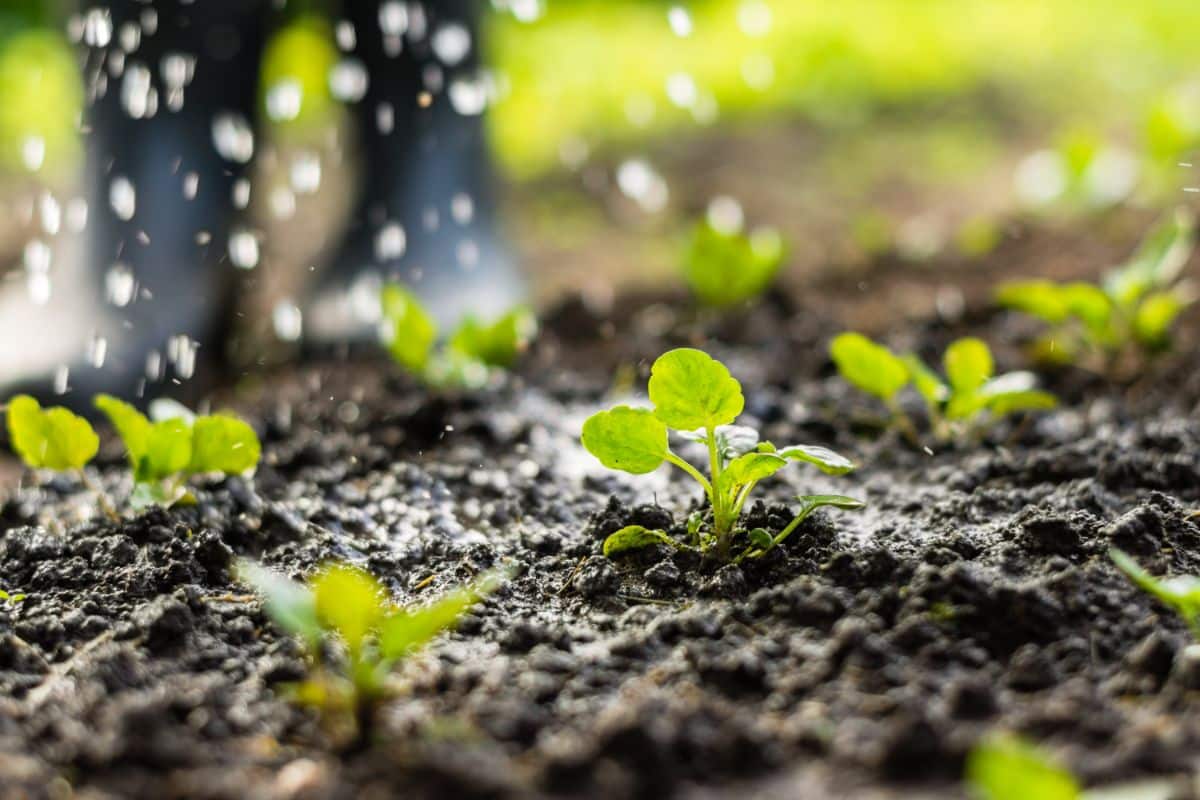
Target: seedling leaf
[407, 630]
[1007, 768]
[1039, 298]
[290, 604]
[690, 389]
[868, 366]
[822, 458]
[1015, 402]
[634, 537]
[726, 269]
[751, 467]
[929, 385]
[408, 331]
[131, 425]
[625, 438]
[1181, 594]
[1155, 315]
[223, 443]
[349, 601]
[968, 364]
[497, 344]
[51, 438]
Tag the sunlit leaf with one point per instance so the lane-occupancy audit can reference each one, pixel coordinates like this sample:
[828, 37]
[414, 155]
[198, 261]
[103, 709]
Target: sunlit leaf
[822, 458]
[634, 537]
[690, 389]
[499, 343]
[348, 600]
[968, 364]
[223, 443]
[409, 331]
[407, 630]
[290, 604]
[52, 438]
[868, 366]
[1007, 768]
[726, 269]
[625, 438]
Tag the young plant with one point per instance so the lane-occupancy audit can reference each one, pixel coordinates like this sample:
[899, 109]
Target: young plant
[1181, 594]
[695, 395]
[962, 403]
[1129, 315]
[1005, 767]
[468, 358]
[11, 598]
[177, 445]
[726, 269]
[345, 606]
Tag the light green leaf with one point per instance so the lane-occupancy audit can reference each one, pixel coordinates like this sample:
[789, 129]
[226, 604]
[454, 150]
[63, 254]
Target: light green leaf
[408, 330]
[726, 269]
[927, 382]
[348, 600]
[53, 438]
[497, 344]
[633, 537]
[690, 389]
[760, 538]
[130, 424]
[223, 443]
[1088, 303]
[291, 605]
[1158, 260]
[407, 630]
[1007, 768]
[868, 366]
[811, 502]
[751, 468]
[1181, 594]
[1156, 314]
[1003, 404]
[822, 458]
[968, 364]
[625, 438]
[168, 450]
[1039, 298]
[16, 597]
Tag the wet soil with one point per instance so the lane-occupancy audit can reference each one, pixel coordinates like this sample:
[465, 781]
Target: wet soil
[863, 659]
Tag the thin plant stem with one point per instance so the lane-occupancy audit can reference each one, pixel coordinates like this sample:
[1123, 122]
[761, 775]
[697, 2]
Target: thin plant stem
[106, 504]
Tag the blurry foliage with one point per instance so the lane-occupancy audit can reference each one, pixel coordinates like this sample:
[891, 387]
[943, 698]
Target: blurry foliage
[40, 96]
[302, 54]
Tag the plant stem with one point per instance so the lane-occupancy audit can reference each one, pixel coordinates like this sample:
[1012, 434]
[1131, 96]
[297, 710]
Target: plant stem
[903, 422]
[106, 504]
[695, 473]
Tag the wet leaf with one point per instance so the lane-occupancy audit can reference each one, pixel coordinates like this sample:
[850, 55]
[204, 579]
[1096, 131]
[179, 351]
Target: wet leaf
[168, 450]
[868, 366]
[690, 389]
[130, 424]
[811, 502]
[1157, 262]
[225, 444]
[409, 331]
[822, 458]
[633, 537]
[52, 438]
[626, 438]
[1007, 768]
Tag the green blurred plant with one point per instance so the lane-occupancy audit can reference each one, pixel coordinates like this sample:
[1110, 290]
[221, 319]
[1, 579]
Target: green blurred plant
[959, 406]
[353, 634]
[1129, 315]
[177, 445]
[694, 394]
[1005, 767]
[473, 353]
[728, 268]
[1181, 594]
[11, 598]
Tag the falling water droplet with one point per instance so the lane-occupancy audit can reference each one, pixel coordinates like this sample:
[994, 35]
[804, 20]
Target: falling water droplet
[243, 249]
[120, 286]
[305, 173]
[241, 193]
[681, 89]
[469, 95]
[62, 379]
[122, 197]
[33, 152]
[191, 185]
[680, 21]
[725, 215]
[385, 118]
[98, 27]
[451, 43]
[284, 100]
[181, 351]
[345, 36]
[287, 320]
[348, 80]
[233, 137]
[50, 212]
[283, 203]
[462, 208]
[97, 350]
[638, 181]
[390, 242]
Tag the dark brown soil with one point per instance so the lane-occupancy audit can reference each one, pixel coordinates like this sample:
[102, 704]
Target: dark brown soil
[864, 659]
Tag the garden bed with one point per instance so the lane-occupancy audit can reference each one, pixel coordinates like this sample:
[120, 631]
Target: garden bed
[865, 657]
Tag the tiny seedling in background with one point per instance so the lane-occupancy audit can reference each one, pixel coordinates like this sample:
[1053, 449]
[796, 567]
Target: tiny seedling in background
[11, 598]
[177, 445]
[1005, 767]
[344, 605]
[473, 352]
[1130, 314]
[1181, 594]
[726, 269]
[961, 404]
[694, 394]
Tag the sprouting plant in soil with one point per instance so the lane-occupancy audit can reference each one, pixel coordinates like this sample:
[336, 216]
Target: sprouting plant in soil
[1005, 767]
[960, 406]
[468, 358]
[353, 634]
[55, 439]
[11, 598]
[727, 268]
[177, 445]
[1181, 594]
[695, 395]
[1114, 326]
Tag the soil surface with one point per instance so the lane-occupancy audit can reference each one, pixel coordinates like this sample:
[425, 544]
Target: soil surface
[863, 659]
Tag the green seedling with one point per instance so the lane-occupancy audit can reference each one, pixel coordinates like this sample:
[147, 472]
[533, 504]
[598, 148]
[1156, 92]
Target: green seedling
[1181, 594]
[962, 403]
[55, 439]
[1005, 767]
[474, 351]
[694, 394]
[177, 445]
[344, 611]
[1127, 317]
[726, 269]
[11, 598]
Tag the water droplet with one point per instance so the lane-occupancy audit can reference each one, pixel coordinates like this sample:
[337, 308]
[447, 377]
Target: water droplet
[243, 249]
[37, 256]
[284, 100]
[348, 80]
[130, 37]
[241, 193]
[283, 203]
[305, 173]
[393, 18]
[1041, 178]
[526, 10]
[462, 208]
[33, 152]
[390, 242]
[97, 350]
[98, 27]
[62, 379]
[469, 96]
[287, 320]
[754, 18]
[122, 198]
[680, 21]
[385, 118]
[120, 286]
[681, 89]
[50, 212]
[181, 351]
[345, 36]
[191, 185]
[451, 43]
[758, 71]
[77, 214]
[638, 181]
[233, 137]
[725, 215]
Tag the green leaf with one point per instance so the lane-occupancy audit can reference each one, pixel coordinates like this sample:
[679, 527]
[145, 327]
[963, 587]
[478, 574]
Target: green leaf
[750, 468]
[151, 494]
[407, 630]
[130, 424]
[168, 450]
[822, 458]
[348, 600]
[968, 364]
[633, 537]
[498, 344]
[811, 502]
[927, 382]
[690, 389]
[291, 605]
[1088, 303]
[1007, 768]
[760, 538]
[1158, 260]
[225, 444]
[53, 438]
[11, 598]
[408, 331]
[1155, 315]
[1039, 298]
[1181, 594]
[868, 366]
[1004, 404]
[625, 438]
[726, 269]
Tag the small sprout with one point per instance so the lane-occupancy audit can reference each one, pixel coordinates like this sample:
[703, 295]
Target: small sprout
[695, 395]
[726, 269]
[475, 349]
[344, 604]
[1129, 316]
[51, 438]
[11, 598]
[1008, 768]
[960, 404]
[1181, 594]
[165, 453]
